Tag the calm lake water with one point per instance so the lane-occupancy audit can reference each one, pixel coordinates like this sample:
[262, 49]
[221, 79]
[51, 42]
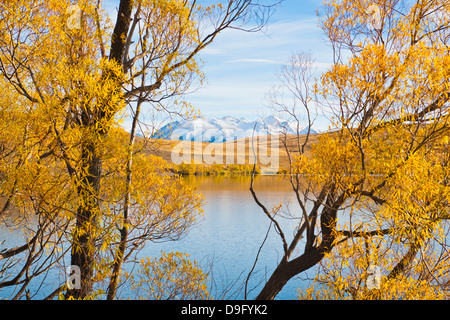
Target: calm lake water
[229, 235]
[233, 229]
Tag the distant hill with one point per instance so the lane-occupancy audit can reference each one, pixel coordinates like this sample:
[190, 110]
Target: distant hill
[164, 148]
[226, 129]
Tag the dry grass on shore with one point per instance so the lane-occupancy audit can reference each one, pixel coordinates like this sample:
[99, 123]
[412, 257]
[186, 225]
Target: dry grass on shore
[228, 155]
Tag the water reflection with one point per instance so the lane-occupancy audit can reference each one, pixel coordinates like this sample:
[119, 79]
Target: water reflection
[229, 234]
[239, 183]
[233, 228]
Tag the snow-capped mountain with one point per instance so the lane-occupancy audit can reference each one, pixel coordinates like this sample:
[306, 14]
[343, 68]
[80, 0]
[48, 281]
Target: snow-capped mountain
[226, 129]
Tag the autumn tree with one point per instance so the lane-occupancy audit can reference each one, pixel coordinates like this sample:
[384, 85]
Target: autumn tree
[373, 191]
[73, 74]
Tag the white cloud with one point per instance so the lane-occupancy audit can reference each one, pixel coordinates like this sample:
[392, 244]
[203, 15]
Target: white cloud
[241, 67]
[250, 60]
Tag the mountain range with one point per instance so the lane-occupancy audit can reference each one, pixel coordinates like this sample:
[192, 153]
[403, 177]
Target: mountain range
[226, 129]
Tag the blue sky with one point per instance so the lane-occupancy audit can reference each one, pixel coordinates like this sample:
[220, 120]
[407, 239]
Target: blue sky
[240, 67]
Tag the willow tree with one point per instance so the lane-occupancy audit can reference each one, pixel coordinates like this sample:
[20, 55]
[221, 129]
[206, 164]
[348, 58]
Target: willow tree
[373, 192]
[73, 74]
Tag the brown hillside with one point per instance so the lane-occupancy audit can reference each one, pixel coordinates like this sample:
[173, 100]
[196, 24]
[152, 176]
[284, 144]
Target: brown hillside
[235, 152]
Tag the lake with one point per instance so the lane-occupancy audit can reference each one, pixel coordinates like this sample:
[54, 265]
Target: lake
[229, 235]
[233, 228]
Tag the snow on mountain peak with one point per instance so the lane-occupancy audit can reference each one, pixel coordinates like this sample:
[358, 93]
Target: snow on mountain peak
[224, 129]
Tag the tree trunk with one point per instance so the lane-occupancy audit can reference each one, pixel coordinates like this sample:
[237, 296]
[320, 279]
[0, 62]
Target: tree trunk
[312, 255]
[83, 246]
[119, 36]
[120, 254]
[287, 270]
[119, 259]
[83, 242]
[402, 265]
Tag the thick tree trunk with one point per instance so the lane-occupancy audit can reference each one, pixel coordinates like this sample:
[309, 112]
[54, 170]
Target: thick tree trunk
[83, 247]
[287, 270]
[83, 242]
[119, 36]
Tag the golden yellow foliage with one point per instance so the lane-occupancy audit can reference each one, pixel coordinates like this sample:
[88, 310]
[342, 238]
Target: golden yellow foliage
[173, 276]
[68, 76]
[389, 153]
[373, 192]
